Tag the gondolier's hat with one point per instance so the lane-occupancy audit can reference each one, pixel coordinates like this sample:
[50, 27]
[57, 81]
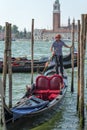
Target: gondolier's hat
[58, 36]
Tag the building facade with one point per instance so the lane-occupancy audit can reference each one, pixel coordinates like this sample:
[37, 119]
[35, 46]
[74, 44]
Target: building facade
[56, 16]
[65, 31]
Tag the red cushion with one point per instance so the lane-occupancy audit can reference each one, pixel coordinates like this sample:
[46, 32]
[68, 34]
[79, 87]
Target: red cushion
[55, 82]
[52, 96]
[41, 91]
[48, 87]
[42, 82]
[54, 91]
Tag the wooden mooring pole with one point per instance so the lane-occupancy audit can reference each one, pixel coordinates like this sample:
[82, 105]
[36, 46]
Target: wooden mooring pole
[78, 66]
[82, 55]
[7, 62]
[72, 80]
[85, 31]
[5, 55]
[32, 51]
[10, 68]
[2, 103]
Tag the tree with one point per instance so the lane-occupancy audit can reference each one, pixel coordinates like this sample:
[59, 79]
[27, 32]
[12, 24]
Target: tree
[14, 29]
[25, 33]
[0, 28]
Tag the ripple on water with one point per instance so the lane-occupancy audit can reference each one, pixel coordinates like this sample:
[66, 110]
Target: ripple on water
[66, 118]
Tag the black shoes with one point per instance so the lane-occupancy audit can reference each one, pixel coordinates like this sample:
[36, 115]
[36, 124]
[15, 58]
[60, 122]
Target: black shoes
[65, 77]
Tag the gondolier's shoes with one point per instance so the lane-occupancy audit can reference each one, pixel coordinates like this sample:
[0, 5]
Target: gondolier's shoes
[65, 77]
[40, 73]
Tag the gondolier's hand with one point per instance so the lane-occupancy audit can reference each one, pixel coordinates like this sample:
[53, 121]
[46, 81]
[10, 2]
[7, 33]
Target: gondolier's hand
[68, 46]
[53, 53]
[71, 46]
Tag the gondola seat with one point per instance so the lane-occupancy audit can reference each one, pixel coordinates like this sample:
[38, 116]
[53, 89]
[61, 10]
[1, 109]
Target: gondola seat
[42, 87]
[48, 88]
[56, 84]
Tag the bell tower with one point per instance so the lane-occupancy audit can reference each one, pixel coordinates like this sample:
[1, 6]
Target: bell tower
[56, 15]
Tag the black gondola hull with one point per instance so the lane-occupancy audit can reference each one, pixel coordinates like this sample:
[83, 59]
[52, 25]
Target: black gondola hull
[24, 65]
[27, 69]
[33, 120]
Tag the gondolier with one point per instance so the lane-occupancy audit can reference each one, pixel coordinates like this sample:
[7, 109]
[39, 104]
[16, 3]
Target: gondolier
[56, 50]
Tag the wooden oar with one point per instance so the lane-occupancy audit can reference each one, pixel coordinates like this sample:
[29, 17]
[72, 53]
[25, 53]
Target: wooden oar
[32, 51]
[46, 65]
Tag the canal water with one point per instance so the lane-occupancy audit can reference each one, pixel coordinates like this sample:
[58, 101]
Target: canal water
[66, 118]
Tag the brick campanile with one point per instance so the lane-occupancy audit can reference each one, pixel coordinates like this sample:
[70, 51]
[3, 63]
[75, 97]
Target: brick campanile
[56, 15]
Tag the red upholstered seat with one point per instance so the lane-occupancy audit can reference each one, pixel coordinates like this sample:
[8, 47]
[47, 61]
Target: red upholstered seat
[52, 96]
[48, 87]
[42, 82]
[55, 86]
[55, 83]
[42, 87]
[54, 91]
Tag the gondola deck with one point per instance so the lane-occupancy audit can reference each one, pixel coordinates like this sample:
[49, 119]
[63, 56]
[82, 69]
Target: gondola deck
[47, 95]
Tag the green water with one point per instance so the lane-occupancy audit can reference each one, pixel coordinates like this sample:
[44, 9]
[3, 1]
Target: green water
[66, 117]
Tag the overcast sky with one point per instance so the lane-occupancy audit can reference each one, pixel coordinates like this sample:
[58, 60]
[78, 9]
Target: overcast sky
[21, 12]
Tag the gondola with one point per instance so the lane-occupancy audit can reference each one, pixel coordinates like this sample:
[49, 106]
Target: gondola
[23, 65]
[66, 64]
[44, 96]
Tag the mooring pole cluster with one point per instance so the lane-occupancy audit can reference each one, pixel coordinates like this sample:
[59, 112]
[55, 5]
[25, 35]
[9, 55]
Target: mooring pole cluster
[82, 29]
[7, 68]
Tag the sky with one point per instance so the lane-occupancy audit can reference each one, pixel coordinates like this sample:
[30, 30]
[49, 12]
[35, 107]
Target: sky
[21, 12]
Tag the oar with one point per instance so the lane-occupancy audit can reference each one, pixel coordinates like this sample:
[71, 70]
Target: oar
[46, 65]
[32, 50]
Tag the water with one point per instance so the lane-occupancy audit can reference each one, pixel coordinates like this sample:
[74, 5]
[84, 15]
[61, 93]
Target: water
[66, 118]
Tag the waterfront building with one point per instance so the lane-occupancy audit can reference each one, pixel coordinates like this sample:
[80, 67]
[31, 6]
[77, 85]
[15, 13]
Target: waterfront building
[65, 31]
